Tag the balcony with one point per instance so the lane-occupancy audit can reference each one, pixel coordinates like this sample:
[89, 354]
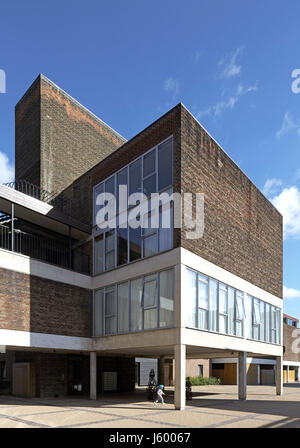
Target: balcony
[25, 187]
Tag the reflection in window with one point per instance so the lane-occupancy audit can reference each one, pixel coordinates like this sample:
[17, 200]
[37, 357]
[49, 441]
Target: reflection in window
[150, 173]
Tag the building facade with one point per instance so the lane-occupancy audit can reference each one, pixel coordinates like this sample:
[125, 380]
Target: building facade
[82, 295]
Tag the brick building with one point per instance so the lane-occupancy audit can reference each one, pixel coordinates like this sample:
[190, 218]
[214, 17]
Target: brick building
[81, 300]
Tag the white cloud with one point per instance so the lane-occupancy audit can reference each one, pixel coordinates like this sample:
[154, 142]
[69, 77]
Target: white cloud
[229, 103]
[172, 85]
[288, 204]
[288, 125]
[271, 186]
[7, 173]
[229, 66]
[291, 293]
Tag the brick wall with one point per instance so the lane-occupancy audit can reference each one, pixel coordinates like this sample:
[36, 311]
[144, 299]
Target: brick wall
[243, 231]
[288, 340]
[57, 139]
[30, 303]
[28, 135]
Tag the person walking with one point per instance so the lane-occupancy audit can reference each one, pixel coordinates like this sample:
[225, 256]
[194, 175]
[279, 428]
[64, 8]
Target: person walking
[160, 394]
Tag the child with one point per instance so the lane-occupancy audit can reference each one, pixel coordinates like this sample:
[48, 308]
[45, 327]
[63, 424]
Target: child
[160, 393]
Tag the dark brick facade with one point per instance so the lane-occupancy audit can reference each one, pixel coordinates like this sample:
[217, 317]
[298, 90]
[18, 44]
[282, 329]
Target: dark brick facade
[243, 230]
[288, 341]
[57, 139]
[53, 371]
[30, 303]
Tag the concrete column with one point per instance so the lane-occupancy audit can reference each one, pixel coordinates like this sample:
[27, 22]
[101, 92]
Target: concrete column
[93, 375]
[242, 375]
[161, 371]
[287, 374]
[180, 358]
[278, 373]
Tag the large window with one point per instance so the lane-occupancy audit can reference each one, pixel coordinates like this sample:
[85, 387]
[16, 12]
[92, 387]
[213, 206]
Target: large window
[141, 304]
[150, 173]
[266, 321]
[212, 305]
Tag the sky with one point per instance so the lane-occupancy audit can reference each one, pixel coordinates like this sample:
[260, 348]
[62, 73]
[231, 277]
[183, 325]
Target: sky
[129, 62]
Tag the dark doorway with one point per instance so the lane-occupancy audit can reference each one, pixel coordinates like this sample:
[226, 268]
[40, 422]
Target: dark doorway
[75, 375]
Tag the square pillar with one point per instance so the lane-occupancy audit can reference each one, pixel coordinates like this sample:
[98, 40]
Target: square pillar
[287, 374]
[242, 375]
[93, 375]
[180, 358]
[278, 373]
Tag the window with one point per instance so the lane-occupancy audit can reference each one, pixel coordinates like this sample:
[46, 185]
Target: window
[266, 323]
[190, 299]
[200, 369]
[256, 318]
[109, 249]
[203, 302]
[123, 308]
[165, 164]
[143, 303]
[98, 313]
[150, 173]
[135, 176]
[136, 316]
[150, 301]
[231, 311]
[240, 314]
[223, 308]
[213, 304]
[99, 254]
[110, 310]
[166, 298]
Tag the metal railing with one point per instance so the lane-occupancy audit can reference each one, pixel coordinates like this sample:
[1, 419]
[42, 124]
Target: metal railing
[31, 190]
[59, 201]
[34, 246]
[43, 249]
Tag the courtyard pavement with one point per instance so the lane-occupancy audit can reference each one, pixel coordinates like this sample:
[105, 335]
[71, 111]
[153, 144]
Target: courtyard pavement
[211, 407]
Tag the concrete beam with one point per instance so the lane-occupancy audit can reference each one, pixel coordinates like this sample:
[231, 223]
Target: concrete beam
[242, 375]
[180, 358]
[93, 375]
[279, 375]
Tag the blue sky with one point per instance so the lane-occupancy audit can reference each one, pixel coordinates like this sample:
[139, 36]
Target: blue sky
[229, 62]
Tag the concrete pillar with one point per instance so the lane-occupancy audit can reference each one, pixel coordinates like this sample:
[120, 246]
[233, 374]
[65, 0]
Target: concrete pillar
[161, 371]
[180, 358]
[93, 375]
[242, 375]
[287, 374]
[278, 373]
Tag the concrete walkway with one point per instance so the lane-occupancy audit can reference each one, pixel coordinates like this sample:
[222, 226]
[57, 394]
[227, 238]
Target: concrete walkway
[211, 407]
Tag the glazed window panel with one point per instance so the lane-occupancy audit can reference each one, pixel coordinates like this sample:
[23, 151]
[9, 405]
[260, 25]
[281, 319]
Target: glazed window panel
[166, 298]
